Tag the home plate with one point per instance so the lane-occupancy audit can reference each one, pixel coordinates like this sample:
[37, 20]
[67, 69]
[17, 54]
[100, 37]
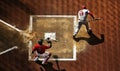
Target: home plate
[51, 35]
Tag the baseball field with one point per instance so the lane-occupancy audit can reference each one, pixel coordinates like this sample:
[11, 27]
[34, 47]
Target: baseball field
[96, 52]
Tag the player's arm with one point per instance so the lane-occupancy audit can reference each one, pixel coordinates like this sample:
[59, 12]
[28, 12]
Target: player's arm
[49, 42]
[91, 14]
[34, 49]
[79, 13]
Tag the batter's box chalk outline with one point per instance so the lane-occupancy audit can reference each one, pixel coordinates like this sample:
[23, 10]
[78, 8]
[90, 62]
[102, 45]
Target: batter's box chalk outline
[31, 29]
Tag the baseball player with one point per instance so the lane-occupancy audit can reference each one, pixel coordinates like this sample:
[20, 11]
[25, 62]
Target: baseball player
[82, 16]
[40, 51]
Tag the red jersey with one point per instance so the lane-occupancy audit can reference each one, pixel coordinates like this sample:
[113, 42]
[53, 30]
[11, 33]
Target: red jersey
[40, 48]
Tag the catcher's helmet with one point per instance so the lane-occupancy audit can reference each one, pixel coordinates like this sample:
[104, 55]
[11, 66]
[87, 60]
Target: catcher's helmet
[83, 7]
[40, 41]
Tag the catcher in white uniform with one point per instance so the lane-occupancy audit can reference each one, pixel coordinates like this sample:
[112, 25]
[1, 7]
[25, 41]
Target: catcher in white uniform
[82, 16]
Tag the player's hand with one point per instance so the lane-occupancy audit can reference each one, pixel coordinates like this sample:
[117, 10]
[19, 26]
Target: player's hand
[49, 41]
[32, 52]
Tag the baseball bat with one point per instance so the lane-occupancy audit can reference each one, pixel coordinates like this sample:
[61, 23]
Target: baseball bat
[95, 19]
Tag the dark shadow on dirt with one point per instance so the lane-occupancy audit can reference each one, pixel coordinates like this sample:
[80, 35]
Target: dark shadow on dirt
[49, 65]
[57, 63]
[92, 40]
[46, 67]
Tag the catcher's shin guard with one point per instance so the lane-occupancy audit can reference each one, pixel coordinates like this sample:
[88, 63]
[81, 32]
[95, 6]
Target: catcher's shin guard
[46, 59]
[36, 58]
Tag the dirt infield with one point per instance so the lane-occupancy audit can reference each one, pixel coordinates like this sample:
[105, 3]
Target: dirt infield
[62, 26]
[96, 55]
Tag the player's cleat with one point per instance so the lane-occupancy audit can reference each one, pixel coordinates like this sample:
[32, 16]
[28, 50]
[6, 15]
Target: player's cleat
[89, 31]
[44, 65]
[73, 36]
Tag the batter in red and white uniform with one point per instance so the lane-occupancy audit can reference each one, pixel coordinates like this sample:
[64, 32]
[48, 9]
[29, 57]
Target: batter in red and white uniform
[40, 48]
[82, 16]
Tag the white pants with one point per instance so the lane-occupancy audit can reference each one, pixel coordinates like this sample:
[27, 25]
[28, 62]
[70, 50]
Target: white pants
[79, 26]
[45, 55]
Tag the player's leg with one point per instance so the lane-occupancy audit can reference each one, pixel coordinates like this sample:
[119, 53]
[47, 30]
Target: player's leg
[77, 29]
[36, 57]
[46, 56]
[89, 31]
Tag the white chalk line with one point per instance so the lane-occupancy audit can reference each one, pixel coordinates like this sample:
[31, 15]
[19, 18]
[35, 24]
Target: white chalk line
[10, 26]
[74, 45]
[10, 49]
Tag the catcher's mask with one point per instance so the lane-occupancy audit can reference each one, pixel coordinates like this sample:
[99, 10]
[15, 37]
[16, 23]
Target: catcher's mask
[40, 41]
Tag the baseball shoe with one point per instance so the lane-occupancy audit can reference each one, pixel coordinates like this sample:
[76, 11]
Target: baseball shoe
[89, 32]
[73, 36]
[38, 62]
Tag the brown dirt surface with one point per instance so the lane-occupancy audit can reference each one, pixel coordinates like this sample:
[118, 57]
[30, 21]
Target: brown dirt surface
[63, 27]
[98, 52]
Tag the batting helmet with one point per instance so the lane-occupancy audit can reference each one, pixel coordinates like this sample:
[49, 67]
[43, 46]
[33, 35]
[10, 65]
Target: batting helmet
[40, 41]
[83, 7]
